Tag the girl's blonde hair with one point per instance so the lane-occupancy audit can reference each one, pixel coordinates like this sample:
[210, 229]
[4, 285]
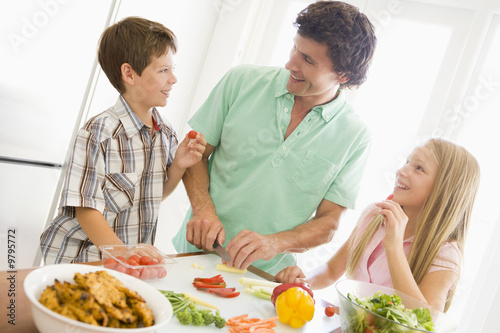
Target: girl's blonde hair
[445, 215]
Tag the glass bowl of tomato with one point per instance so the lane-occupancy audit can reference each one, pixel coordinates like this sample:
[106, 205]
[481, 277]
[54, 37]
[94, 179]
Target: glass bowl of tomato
[142, 261]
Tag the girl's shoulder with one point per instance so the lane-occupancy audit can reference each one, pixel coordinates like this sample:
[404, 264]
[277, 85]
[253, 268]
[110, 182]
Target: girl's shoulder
[449, 257]
[367, 214]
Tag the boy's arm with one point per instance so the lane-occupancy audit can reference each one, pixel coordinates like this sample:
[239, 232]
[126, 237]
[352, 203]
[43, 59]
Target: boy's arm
[174, 175]
[96, 227]
[189, 153]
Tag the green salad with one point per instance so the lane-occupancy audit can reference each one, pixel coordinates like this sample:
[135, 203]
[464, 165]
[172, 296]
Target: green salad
[388, 306]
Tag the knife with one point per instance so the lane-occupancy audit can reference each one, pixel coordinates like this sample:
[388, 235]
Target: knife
[221, 251]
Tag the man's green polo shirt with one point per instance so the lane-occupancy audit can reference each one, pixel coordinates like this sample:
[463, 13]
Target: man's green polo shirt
[258, 180]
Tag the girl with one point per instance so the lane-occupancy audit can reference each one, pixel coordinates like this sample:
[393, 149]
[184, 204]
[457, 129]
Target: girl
[414, 240]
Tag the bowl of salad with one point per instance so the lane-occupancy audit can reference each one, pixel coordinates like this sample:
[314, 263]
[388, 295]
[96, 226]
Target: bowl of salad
[370, 308]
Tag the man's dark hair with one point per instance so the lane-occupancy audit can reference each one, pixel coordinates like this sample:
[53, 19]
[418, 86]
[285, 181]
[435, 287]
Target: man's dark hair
[348, 34]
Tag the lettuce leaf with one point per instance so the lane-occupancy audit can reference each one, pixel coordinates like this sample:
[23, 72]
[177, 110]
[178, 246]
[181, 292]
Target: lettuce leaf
[390, 307]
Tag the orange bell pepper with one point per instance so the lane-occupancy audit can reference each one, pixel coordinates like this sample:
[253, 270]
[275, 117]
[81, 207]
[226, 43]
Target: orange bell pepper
[295, 307]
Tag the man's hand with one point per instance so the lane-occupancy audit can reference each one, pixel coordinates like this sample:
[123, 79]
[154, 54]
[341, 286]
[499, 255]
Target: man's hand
[249, 246]
[202, 231]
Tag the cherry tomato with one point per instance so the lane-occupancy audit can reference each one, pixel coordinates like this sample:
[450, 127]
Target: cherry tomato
[121, 259]
[120, 269]
[153, 273]
[192, 134]
[134, 257]
[329, 311]
[132, 262]
[152, 262]
[145, 274]
[162, 272]
[133, 272]
[144, 260]
[110, 263]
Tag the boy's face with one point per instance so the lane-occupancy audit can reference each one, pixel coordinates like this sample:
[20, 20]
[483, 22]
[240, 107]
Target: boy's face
[311, 71]
[152, 88]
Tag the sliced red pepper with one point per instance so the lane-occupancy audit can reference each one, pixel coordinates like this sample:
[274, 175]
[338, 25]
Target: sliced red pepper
[225, 294]
[222, 290]
[199, 285]
[218, 279]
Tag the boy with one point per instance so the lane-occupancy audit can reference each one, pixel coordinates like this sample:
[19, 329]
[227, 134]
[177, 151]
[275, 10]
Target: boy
[123, 162]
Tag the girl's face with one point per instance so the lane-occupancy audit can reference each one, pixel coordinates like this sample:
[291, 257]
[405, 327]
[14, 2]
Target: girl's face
[415, 179]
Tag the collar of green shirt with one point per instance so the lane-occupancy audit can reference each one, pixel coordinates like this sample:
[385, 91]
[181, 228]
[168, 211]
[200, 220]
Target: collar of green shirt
[327, 111]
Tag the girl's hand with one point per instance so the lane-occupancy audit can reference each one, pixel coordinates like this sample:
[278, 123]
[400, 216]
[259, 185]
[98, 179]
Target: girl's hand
[395, 222]
[190, 151]
[291, 274]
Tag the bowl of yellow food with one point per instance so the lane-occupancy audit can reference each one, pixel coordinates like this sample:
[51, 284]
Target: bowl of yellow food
[371, 308]
[84, 298]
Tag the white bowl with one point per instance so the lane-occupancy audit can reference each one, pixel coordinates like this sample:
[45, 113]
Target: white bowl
[48, 321]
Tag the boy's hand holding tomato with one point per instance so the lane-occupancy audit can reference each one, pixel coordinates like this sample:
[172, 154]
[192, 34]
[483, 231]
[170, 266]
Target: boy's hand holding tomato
[190, 150]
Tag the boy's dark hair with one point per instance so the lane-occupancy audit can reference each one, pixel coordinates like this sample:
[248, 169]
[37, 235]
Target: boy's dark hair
[348, 34]
[135, 41]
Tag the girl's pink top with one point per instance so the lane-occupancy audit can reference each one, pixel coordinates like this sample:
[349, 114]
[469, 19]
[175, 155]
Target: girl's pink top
[373, 265]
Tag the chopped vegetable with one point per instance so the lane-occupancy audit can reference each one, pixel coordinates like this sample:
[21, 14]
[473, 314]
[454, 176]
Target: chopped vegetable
[257, 282]
[222, 267]
[265, 290]
[199, 285]
[194, 265]
[188, 313]
[215, 285]
[285, 286]
[218, 279]
[244, 324]
[225, 294]
[258, 293]
[200, 301]
[390, 307]
[295, 307]
[192, 134]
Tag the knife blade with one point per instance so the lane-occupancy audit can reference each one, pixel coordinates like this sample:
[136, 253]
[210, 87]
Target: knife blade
[221, 251]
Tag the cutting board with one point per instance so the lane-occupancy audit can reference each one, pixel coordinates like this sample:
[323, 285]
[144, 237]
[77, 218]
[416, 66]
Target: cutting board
[181, 275]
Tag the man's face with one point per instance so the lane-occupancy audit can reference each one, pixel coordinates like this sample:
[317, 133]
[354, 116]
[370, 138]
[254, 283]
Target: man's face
[311, 72]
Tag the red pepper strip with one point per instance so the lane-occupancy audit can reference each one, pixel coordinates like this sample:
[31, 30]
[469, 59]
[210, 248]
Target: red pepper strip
[198, 285]
[218, 279]
[223, 290]
[225, 294]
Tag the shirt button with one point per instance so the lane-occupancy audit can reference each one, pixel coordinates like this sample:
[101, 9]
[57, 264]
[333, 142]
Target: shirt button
[286, 109]
[327, 116]
[284, 147]
[288, 96]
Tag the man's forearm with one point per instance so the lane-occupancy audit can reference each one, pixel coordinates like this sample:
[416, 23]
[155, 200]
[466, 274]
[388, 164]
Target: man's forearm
[196, 181]
[315, 232]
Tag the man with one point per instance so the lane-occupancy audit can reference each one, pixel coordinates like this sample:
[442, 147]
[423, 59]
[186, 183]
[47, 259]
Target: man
[283, 145]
